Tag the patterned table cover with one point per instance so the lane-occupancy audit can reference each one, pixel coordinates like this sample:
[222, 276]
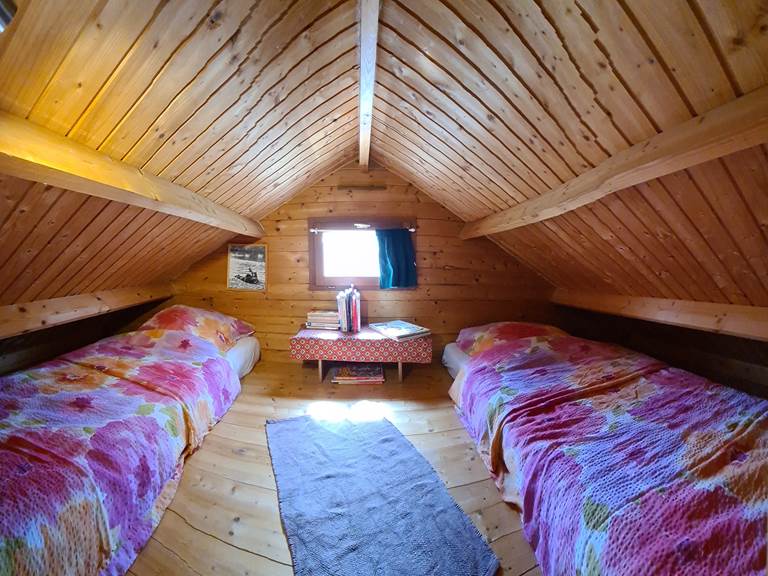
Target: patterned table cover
[364, 346]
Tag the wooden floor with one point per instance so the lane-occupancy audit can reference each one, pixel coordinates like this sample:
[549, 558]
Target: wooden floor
[224, 519]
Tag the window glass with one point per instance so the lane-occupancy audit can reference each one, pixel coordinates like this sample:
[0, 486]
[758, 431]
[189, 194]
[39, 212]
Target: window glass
[350, 253]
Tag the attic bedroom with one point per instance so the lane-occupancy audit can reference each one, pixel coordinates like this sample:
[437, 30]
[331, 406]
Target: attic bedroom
[384, 287]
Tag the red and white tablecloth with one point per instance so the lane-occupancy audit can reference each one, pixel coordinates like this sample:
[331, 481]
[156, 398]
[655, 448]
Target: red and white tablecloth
[364, 346]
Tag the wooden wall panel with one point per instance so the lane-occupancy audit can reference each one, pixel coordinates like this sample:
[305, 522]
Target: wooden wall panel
[55, 243]
[460, 283]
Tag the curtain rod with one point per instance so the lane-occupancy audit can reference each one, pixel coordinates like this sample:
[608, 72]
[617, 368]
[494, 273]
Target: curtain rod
[409, 227]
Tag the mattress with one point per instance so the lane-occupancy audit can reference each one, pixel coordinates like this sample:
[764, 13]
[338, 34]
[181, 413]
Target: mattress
[454, 359]
[621, 464]
[244, 355]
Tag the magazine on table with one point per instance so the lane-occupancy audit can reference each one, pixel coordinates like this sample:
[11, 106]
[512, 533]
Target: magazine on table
[400, 330]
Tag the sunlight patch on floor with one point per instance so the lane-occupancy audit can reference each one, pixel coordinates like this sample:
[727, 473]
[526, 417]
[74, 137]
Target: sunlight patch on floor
[362, 411]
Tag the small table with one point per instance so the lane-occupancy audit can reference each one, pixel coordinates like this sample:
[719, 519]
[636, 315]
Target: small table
[364, 346]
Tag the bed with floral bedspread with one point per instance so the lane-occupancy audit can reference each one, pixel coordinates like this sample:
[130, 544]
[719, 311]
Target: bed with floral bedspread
[619, 463]
[92, 443]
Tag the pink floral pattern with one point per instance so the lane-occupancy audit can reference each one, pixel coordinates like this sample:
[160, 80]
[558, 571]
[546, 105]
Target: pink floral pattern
[89, 441]
[621, 464]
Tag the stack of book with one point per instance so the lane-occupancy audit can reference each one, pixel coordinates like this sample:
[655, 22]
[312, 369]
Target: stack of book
[400, 330]
[357, 373]
[323, 320]
[348, 302]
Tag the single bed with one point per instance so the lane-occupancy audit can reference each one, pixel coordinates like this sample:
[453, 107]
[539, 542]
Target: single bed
[92, 443]
[619, 463]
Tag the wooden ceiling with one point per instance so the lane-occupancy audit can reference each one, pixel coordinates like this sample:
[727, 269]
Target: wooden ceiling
[487, 104]
[482, 104]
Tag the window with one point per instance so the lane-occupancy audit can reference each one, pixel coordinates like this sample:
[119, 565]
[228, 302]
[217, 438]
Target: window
[344, 252]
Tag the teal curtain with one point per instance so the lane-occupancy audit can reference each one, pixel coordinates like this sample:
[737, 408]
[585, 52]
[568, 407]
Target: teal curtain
[397, 258]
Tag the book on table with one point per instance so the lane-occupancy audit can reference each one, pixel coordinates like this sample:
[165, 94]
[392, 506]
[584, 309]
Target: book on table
[357, 373]
[400, 330]
[323, 320]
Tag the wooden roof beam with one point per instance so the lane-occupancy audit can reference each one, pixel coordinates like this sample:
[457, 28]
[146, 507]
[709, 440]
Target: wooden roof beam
[18, 319]
[35, 153]
[737, 125]
[733, 319]
[368, 41]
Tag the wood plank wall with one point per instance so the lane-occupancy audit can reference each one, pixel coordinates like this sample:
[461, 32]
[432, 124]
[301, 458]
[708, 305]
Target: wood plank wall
[460, 283]
[55, 242]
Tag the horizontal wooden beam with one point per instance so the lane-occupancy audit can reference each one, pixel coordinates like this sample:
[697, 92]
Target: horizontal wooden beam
[18, 319]
[369, 34]
[35, 153]
[739, 124]
[736, 320]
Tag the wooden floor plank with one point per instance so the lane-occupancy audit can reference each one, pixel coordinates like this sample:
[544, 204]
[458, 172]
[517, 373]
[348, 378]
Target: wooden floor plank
[225, 518]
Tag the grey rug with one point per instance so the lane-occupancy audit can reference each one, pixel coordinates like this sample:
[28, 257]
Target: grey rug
[358, 499]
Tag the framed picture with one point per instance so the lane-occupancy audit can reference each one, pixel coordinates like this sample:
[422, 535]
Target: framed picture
[247, 267]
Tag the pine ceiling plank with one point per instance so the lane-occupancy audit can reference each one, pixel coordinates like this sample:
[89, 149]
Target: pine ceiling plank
[148, 224]
[97, 252]
[535, 28]
[467, 109]
[393, 124]
[52, 251]
[723, 195]
[12, 191]
[26, 216]
[588, 127]
[743, 321]
[626, 245]
[680, 41]
[658, 196]
[107, 36]
[35, 153]
[184, 67]
[285, 146]
[749, 170]
[628, 52]
[28, 317]
[565, 38]
[273, 169]
[451, 141]
[318, 171]
[170, 29]
[408, 155]
[734, 126]
[396, 166]
[72, 257]
[738, 30]
[439, 185]
[261, 77]
[489, 69]
[41, 33]
[368, 40]
[451, 123]
[54, 220]
[684, 189]
[314, 93]
[581, 238]
[683, 265]
[285, 126]
[438, 50]
[232, 62]
[275, 190]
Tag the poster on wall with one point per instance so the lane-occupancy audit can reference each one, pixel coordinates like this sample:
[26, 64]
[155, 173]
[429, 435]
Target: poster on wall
[247, 267]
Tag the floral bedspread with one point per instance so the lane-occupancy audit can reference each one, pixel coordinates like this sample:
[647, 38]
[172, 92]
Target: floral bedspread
[90, 440]
[621, 464]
